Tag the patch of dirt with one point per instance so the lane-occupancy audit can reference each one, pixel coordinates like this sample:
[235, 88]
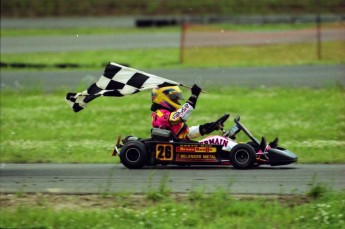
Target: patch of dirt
[74, 202]
[96, 201]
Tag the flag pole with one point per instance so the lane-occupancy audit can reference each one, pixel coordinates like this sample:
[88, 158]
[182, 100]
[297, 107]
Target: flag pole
[182, 85]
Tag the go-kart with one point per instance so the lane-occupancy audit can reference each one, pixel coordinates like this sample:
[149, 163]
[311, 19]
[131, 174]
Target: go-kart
[163, 148]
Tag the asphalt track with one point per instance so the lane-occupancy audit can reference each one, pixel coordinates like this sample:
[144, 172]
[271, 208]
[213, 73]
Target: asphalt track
[114, 178]
[313, 76]
[98, 178]
[76, 42]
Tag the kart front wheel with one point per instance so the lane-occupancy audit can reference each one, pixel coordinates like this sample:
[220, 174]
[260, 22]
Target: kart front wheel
[242, 156]
[133, 155]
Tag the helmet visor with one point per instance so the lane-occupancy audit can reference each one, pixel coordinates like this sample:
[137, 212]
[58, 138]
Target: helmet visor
[175, 96]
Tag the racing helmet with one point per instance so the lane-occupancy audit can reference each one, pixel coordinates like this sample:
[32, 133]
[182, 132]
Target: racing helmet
[167, 97]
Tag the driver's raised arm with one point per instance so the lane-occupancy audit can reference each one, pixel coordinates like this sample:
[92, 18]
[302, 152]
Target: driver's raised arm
[183, 113]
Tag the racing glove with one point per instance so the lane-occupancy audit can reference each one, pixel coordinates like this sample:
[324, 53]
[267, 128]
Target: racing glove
[195, 94]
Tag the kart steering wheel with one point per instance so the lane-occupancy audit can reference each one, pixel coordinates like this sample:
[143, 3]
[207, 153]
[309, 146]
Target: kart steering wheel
[218, 124]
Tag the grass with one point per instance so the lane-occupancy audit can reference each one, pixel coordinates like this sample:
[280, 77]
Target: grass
[233, 56]
[62, 136]
[262, 27]
[154, 58]
[38, 126]
[214, 210]
[266, 55]
[19, 8]
[11, 32]
[202, 57]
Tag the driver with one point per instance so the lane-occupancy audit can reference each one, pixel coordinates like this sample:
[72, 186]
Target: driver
[168, 113]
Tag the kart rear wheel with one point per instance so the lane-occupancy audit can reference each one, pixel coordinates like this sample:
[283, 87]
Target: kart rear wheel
[133, 154]
[242, 156]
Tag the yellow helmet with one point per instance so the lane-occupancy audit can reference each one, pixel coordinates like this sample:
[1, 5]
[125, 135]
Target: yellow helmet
[167, 97]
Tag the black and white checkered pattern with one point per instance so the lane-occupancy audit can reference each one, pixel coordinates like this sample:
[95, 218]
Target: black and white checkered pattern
[117, 80]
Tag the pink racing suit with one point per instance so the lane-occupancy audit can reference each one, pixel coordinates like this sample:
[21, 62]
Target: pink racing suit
[175, 122]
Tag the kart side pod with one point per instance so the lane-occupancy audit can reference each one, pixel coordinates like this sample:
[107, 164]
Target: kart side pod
[281, 156]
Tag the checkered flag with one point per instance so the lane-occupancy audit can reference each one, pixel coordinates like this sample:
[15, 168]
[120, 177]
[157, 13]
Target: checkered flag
[117, 80]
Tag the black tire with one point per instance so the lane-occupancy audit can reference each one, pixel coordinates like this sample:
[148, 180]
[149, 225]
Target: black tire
[242, 156]
[133, 155]
[254, 145]
[256, 148]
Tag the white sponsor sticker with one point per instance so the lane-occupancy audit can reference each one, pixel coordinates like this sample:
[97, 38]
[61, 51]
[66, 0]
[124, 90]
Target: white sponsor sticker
[184, 112]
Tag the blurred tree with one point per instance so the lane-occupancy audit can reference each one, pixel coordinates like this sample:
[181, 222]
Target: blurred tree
[40, 8]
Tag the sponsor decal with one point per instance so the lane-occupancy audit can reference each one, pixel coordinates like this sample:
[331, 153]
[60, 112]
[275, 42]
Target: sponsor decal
[196, 157]
[215, 141]
[195, 149]
[190, 156]
[181, 112]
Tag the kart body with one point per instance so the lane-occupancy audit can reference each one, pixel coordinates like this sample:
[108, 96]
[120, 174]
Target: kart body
[163, 148]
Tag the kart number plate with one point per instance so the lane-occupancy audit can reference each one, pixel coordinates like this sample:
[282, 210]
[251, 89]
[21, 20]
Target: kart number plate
[164, 152]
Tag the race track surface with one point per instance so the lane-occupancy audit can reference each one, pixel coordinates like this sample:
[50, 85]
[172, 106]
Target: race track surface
[313, 76]
[112, 178]
[76, 42]
[104, 178]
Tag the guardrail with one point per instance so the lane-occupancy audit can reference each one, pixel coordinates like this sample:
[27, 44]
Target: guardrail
[158, 21]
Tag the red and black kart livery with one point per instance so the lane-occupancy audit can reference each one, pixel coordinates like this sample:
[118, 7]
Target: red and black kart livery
[163, 148]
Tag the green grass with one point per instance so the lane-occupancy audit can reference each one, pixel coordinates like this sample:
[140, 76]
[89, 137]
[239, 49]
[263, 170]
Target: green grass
[234, 56]
[44, 8]
[263, 27]
[12, 32]
[195, 210]
[229, 56]
[154, 58]
[40, 127]
[266, 55]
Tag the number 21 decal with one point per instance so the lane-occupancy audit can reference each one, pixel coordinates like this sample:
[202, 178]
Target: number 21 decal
[164, 152]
